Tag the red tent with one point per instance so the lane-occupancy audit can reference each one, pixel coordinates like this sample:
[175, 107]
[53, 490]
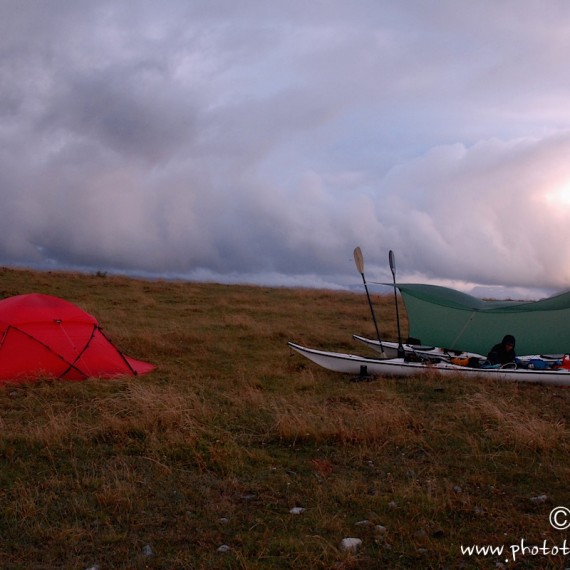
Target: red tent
[42, 335]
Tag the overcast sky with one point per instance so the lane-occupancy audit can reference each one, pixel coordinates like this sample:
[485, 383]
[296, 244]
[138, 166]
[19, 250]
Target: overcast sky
[262, 141]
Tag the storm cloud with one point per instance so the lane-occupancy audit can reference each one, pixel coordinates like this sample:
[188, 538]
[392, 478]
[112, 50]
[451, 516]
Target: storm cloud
[261, 142]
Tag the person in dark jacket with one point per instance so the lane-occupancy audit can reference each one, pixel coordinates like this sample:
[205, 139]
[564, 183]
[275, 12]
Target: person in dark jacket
[504, 352]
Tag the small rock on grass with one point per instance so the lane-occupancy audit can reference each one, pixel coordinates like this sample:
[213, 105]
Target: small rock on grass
[297, 510]
[224, 549]
[350, 544]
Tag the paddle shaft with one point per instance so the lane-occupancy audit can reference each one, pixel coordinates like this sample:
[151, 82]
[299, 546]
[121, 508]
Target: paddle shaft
[372, 311]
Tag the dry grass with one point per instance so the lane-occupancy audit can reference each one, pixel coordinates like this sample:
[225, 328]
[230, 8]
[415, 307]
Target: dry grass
[233, 430]
[502, 421]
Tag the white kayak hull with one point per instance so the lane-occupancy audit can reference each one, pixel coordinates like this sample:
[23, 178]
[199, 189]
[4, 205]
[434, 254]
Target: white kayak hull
[398, 367]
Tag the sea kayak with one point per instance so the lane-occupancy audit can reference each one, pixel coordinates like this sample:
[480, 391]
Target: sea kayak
[360, 366]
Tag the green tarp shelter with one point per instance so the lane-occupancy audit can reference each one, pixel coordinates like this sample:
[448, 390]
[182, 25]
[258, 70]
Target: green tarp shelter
[444, 317]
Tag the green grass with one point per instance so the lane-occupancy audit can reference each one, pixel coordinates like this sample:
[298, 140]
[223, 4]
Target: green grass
[233, 430]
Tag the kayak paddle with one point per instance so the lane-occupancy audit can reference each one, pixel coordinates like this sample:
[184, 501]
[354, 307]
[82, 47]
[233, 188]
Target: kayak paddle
[401, 352]
[359, 261]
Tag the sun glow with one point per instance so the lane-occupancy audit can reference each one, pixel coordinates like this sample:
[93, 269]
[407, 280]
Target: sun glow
[559, 196]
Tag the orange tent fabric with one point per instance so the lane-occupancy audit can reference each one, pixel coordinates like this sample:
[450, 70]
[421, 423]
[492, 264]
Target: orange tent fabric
[41, 335]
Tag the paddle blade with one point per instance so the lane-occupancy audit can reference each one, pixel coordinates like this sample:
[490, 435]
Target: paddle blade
[359, 260]
[392, 262]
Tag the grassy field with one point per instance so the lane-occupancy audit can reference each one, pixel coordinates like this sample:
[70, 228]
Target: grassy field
[232, 431]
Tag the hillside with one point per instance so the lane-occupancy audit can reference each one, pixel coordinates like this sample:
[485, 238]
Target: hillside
[233, 431]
